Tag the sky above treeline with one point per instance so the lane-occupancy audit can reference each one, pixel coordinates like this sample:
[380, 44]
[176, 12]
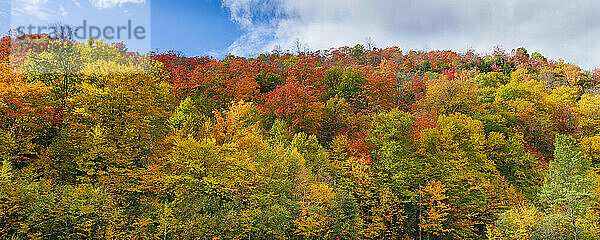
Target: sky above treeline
[557, 29]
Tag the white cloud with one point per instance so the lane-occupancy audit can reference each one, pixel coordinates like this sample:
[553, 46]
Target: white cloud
[240, 11]
[63, 12]
[114, 3]
[34, 8]
[77, 3]
[4, 8]
[33, 2]
[555, 28]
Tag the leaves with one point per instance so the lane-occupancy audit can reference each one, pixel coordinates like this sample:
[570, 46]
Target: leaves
[349, 143]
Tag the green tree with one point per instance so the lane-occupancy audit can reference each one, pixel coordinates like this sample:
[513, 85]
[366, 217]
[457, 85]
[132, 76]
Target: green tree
[567, 190]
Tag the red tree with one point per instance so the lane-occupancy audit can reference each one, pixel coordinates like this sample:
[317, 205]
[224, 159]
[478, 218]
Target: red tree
[296, 104]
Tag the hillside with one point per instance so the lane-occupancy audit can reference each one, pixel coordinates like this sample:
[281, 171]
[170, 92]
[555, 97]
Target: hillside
[349, 143]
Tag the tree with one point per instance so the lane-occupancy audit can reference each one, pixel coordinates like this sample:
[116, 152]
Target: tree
[450, 94]
[180, 71]
[435, 209]
[588, 109]
[381, 87]
[306, 71]
[298, 105]
[345, 83]
[453, 153]
[567, 190]
[518, 223]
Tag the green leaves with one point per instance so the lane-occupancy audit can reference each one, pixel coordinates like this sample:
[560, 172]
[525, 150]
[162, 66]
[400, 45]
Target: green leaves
[568, 187]
[350, 143]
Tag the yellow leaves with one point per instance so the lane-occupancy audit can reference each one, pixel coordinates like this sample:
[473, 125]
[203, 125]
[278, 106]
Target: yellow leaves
[193, 157]
[317, 198]
[312, 223]
[571, 73]
[456, 152]
[107, 69]
[563, 96]
[339, 154]
[98, 50]
[451, 95]
[517, 223]
[495, 141]
[436, 190]
[588, 110]
[321, 193]
[239, 125]
[590, 147]
[242, 112]
[222, 169]
[14, 85]
[589, 105]
[130, 112]
[435, 208]
[158, 72]
[521, 75]
[530, 90]
[385, 217]
[460, 129]
[527, 99]
[388, 66]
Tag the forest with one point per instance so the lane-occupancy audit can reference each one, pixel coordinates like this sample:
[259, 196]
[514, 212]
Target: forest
[97, 142]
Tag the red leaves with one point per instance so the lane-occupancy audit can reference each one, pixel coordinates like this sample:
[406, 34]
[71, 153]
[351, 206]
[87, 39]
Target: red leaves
[231, 79]
[5, 49]
[27, 104]
[307, 72]
[566, 120]
[360, 147]
[450, 74]
[296, 104]
[180, 69]
[424, 119]
[381, 89]
[383, 81]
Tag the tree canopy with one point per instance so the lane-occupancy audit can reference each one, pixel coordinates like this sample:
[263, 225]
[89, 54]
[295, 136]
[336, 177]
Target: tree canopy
[347, 143]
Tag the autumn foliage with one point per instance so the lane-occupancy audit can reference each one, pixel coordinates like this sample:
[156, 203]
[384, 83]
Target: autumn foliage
[346, 143]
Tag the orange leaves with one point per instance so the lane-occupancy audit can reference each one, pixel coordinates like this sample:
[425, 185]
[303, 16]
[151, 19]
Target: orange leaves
[180, 68]
[381, 86]
[424, 119]
[19, 99]
[306, 71]
[238, 125]
[435, 208]
[296, 104]
[312, 225]
[230, 79]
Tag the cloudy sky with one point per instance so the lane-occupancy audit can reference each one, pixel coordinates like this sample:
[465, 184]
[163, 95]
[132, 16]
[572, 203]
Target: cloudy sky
[557, 29]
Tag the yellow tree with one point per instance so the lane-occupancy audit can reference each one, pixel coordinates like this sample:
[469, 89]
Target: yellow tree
[454, 154]
[447, 95]
[435, 209]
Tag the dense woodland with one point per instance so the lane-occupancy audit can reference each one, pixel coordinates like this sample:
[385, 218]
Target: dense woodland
[351, 143]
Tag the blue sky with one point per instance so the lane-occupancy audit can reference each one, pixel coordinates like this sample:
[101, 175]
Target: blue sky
[196, 28]
[555, 28]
